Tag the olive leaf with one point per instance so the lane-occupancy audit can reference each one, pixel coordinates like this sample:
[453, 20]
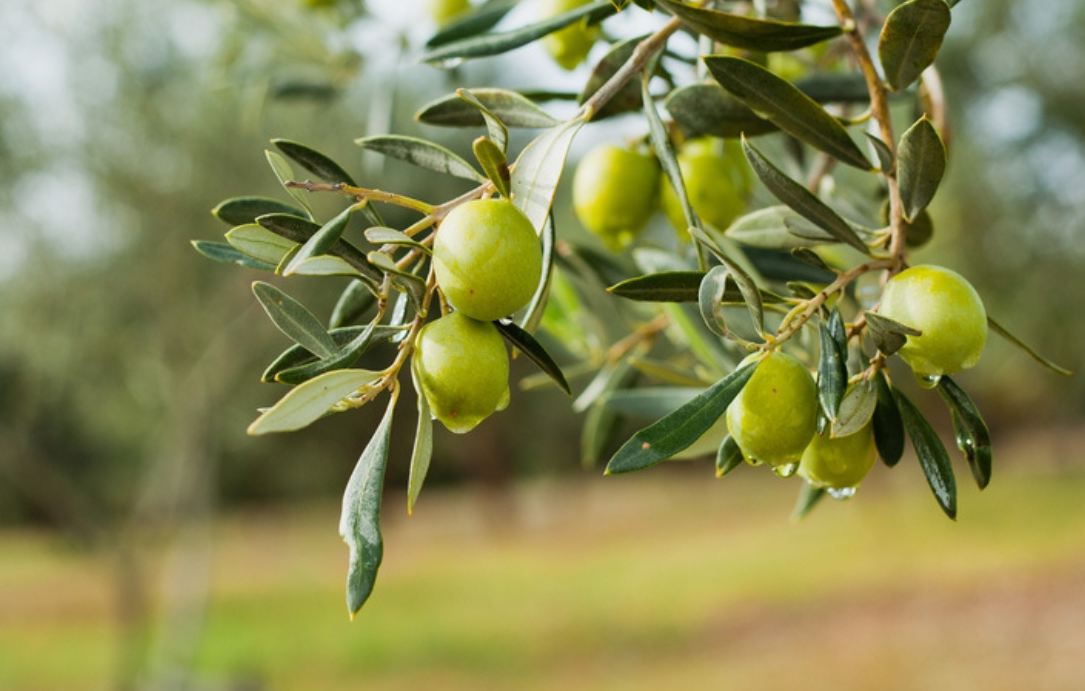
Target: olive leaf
[888, 335]
[678, 430]
[629, 96]
[300, 230]
[260, 243]
[708, 109]
[241, 210]
[832, 365]
[856, 409]
[932, 454]
[911, 38]
[710, 299]
[512, 108]
[475, 21]
[310, 401]
[345, 357]
[665, 286]
[808, 498]
[359, 524]
[296, 356]
[353, 302]
[494, 164]
[728, 457]
[422, 153]
[537, 170]
[1001, 331]
[921, 163]
[422, 451]
[294, 320]
[222, 252]
[499, 133]
[748, 33]
[973, 437]
[887, 423]
[535, 352]
[285, 174]
[322, 240]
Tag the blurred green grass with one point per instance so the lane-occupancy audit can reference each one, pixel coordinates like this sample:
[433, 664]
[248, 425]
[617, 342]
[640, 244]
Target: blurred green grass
[664, 579]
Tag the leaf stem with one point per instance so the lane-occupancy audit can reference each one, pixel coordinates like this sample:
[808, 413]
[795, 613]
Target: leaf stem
[361, 193]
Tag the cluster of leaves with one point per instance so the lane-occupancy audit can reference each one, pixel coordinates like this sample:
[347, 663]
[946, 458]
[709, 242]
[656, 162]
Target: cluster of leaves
[688, 312]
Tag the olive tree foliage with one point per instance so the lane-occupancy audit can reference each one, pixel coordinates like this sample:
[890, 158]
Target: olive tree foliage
[837, 110]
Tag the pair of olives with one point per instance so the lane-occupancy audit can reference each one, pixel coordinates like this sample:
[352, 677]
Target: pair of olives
[616, 190]
[774, 417]
[487, 262]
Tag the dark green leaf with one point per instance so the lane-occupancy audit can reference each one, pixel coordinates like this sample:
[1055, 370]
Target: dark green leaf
[973, 437]
[666, 286]
[809, 496]
[535, 352]
[774, 265]
[832, 365]
[856, 409]
[499, 133]
[706, 109]
[296, 355]
[538, 169]
[785, 106]
[932, 454]
[728, 457]
[496, 43]
[1001, 331]
[801, 199]
[322, 241]
[422, 153]
[920, 164]
[294, 320]
[910, 40]
[301, 229]
[285, 174]
[359, 525]
[344, 358]
[888, 335]
[310, 401]
[479, 19]
[810, 257]
[422, 452]
[353, 303]
[628, 97]
[665, 153]
[512, 108]
[751, 294]
[241, 210]
[313, 161]
[679, 429]
[494, 164]
[762, 35]
[221, 252]
[888, 427]
[883, 152]
[834, 87]
[652, 402]
[713, 286]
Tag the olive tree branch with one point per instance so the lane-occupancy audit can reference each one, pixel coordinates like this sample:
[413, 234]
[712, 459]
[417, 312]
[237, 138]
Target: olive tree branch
[361, 193]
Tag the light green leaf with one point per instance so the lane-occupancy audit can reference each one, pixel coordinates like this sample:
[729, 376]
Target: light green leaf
[921, 161]
[310, 401]
[285, 174]
[911, 38]
[771, 228]
[422, 153]
[345, 357]
[294, 320]
[359, 525]
[322, 240]
[785, 106]
[260, 243]
[856, 409]
[538, 169]
[1001, 331]
[381, 235]
[222, 252]
[513, 109]
[300, 230]
[478, 19]
[499, 133]
[728, 456]
[494, 164]
[422, 452]
[808, 498]
[707, 109]
[748, 33]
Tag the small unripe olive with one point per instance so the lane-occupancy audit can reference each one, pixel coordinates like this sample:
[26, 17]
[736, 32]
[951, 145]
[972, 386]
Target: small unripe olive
[839, 463]
[614, 193]
[444, 11]
[568, 46]
[717, 180]
[487, 258]
[462, 368]
[774, 417]
[948, 311]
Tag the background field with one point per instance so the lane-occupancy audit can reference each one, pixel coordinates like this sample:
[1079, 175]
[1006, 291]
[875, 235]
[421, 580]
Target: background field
[669, 579]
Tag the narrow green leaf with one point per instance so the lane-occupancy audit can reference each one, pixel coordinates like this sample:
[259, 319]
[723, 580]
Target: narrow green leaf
[856, 409]
[888, 427]
[422, 452]
[512, 108]
[406, 281]
[679, 429]
[382, 235]
[536, 308]
[308, 402]
[322, 241]
[294, 320]
[479, 19]
[832, 365]
[932, 454]
[359, 525]
[888, 335]
[728, 457]
[661, 144]
[882, 151]
[808, 256]
[920, 164]
[301, 229]
[802, 200]
[296, 355]
[285, 174]
[707, 109]
[355, 300]
[499, 133]
[748, 33]
[241, 210]
[911, 38]
[496, 43]
[538, 169]
[324, 265]
[808, 498]
[973, 437]
[422, 153]
[260, 243]
[665, 286]
[785, 106]
[535, 352]
[313, 161]
[494, 164]
[710, 296]
[343, 359]
[651, 402]
[222, 252]
[1001, 331]
[628, 97]
[768, 228]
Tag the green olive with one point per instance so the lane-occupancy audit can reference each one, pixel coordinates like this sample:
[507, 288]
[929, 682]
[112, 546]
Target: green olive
[462, 368]
[948, 311]
[568, 46]
[839, 463]
[774, 417]
[717, 180]
[614, 193]
[445, 11]
[487, 258]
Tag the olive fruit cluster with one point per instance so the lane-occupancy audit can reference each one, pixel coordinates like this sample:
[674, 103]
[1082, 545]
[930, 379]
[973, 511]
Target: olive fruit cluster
[487, 262]
[947, 311]
[616, 190]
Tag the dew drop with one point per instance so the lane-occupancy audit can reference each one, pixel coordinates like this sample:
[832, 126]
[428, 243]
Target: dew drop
[928, 381]
[842, 493]
[448, 63]
[785, 469]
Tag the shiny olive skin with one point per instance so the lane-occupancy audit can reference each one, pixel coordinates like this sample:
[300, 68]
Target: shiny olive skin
[614, 193]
